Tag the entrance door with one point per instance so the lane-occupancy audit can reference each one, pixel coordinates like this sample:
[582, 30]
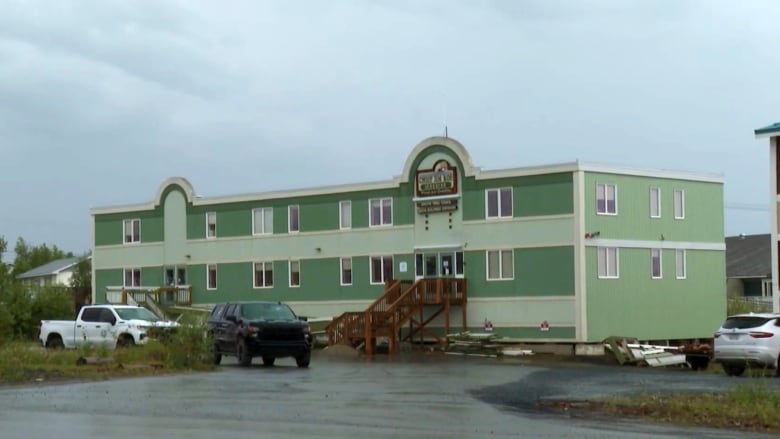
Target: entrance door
[438, 264]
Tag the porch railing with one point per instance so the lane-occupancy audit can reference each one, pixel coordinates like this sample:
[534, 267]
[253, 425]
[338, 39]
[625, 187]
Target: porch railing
[178, 295]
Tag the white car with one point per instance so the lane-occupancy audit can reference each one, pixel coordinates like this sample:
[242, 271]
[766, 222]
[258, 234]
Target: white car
[748, 340]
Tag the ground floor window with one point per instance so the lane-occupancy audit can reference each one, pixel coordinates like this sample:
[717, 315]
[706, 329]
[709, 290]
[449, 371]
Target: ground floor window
[608, 263]
[346, 271]
[680, 264]
[211, 277]
[381, 269]
[655, 263]
[295, 273]
[500, 265]
[132, 277]
[264, 275]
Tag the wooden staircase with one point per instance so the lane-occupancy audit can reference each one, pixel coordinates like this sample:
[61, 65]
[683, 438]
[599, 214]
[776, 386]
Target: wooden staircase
[404, 301]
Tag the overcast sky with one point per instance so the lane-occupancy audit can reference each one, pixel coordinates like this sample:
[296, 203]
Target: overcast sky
[100, 101]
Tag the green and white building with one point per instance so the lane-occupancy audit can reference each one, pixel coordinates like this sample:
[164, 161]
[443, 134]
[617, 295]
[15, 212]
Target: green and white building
[591, 250]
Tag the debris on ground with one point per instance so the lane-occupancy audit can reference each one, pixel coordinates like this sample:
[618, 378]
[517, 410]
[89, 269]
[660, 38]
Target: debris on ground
[483, 344]
[627, 350]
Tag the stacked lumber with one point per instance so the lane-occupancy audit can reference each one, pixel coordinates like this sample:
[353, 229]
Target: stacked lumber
[482, 344]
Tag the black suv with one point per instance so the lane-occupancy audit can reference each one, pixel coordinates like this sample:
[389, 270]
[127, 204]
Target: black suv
[269, 330]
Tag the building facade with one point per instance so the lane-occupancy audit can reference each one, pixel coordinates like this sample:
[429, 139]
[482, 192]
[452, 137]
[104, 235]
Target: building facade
[772, 132]
[572, 252]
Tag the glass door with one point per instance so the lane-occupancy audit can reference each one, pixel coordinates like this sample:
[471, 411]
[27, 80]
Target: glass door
[438, 264]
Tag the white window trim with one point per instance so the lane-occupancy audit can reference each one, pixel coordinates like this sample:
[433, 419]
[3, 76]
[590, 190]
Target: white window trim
[606, 199]
[511, 200]
[682, 204]
[371, 266]
[124, 231]
[500, 265]
[651, 202]
[216, 281]
[660, 264]
[124, 277]
[381, 212]
[606, 261]
[263, 232]
[289, 218]
[289, 273]
[341, 219]
[341, 271]
[254, 278]
[207, 225]
[684, 254]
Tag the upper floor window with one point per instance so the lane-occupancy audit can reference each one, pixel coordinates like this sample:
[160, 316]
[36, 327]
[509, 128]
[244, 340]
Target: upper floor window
[132, 277]
[498, 203]
[680, 264]
[345, 214]
[292, 218]
[381, 269]
[655, 263]
[606, 199]
[608, 262]
[263, 221]
[132, 231]
[679, 204]
[346, 271]
[381, 211]
[211, 224]
[211, 277]
[655, 202]
[295, 273]
[500, 265]
[264, 274]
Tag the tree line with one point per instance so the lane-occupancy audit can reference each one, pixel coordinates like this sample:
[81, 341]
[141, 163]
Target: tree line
[22, 306]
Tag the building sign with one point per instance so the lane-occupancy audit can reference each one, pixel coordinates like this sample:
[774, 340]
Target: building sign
[442, 179]
[435, 206]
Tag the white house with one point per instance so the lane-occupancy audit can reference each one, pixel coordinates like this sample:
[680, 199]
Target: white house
[57, 272]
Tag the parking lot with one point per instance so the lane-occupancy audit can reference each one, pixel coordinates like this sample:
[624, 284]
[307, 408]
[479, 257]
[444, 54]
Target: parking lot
[407, 396]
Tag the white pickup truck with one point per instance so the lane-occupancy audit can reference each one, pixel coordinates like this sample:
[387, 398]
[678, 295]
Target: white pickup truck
[110, 325]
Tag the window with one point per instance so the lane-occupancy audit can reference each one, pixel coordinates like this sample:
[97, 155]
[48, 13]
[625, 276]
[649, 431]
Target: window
[91, 314]
[211, 224]
[608, 262]
[292, 219]
[381, 269]
[264, 274]
[498, 203]
[295, 273]
[345, 214]
[655, 202]
[679, 204]
[211, 277]
[132, 231]
[606, 199]
[346, 271]
[500, 265]
[381, 211]
[132, 277]
[655, 263]
[680, 264]
[263, 221]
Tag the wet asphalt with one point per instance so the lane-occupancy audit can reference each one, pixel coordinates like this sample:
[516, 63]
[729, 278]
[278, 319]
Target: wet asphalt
[408, 396]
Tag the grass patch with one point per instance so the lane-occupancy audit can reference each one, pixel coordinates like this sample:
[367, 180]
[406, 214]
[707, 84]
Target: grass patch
[187, 349]
[749, 406]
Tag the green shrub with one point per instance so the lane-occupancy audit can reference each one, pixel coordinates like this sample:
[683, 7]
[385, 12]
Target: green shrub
[188, 347]
[6, 325]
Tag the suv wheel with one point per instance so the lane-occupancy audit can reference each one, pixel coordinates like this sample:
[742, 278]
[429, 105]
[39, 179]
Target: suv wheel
[242, 353]
[733, 369]
[268, 361]
[216, 357]
[303, 360]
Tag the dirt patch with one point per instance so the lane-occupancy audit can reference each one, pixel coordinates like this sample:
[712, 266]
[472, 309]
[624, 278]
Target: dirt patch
[340, 351]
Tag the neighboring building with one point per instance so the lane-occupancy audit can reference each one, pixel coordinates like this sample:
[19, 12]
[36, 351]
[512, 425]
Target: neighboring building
[749, 266]
[772, 132]
[570, 252]
[58, 272]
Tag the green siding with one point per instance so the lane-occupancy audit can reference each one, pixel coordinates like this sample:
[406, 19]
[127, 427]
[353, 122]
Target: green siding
[544, 271]
[103, 279]
[703, 220]
[549, 194]
[108, 227]
[656, 309]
